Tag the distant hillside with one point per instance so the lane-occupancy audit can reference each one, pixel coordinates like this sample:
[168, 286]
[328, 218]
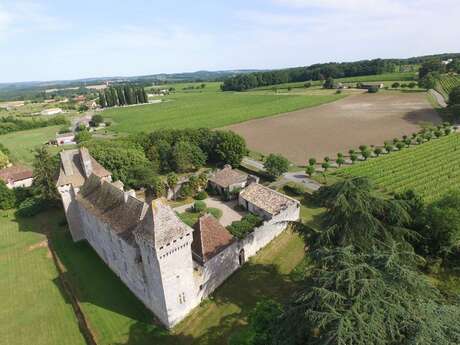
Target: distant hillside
[29, 90]
[328, 70]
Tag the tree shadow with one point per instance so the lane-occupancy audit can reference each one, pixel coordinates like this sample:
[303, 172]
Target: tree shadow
[93, 283]
[420, 116]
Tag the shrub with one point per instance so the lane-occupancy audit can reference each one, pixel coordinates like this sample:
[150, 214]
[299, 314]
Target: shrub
[199, 206]
[294, 188]
[31, 207]
[395, 85]
[7, 197]
[201, 195]
[244, 226]
[215, 212]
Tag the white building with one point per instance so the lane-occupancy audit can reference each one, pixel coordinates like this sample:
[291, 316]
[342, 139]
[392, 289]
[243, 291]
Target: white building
[17, 176]
[65, 139]
[168, 265]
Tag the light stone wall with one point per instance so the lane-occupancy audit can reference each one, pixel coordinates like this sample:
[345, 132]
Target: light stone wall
[122, 258]
[72, 212]
[170, 279]
[21, 183]
[216, 270]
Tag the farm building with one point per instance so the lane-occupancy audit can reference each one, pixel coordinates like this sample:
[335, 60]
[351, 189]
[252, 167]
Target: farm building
[168, 265]
[227, 180]
[65, 138]
[265, 202]
[370, 85]
[17, 176]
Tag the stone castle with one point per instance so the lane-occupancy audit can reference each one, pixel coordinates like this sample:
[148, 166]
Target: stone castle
[168, 265]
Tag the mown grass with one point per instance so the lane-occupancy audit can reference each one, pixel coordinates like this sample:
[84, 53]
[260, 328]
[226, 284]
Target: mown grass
[117, 317]
[22, 144]
[207, 109]
[34, 310]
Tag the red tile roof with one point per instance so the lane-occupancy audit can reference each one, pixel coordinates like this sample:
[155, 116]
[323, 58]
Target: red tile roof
[209, 238]
[15, 173]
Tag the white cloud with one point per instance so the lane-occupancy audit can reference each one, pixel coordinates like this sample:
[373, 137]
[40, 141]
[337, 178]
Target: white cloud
[27, 16]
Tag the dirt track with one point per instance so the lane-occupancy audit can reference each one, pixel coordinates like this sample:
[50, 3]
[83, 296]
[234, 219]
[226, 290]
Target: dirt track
[321, 131]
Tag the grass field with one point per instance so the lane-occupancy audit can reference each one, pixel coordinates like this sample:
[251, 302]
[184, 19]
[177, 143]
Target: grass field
[21, 144]
[34, 310]
[208, 109]
[185, 87]
[430, 169]
[117, 317]
[386, 77]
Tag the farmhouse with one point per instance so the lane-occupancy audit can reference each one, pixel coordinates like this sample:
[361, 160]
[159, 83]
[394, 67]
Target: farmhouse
[65, 138]
[17, 176]
[227, 180]
[168, 265]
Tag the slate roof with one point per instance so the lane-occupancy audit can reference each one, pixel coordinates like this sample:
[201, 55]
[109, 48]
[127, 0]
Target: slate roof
[210, 237]
[72, 170]
[266, 199]
[122, 212]
[228, 176]
[15, 173]
[161, 226]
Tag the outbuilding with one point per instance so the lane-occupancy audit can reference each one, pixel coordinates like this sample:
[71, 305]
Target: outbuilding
[17, 176]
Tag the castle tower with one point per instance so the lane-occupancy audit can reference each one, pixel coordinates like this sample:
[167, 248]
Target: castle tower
[165, 245]
[76, 166]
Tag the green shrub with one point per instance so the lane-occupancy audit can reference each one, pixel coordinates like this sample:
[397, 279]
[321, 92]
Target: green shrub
[215, 212]
[244, 226]
[31, 207]
[201, 195]
[294, 188]
[7, 197]
[199, 206]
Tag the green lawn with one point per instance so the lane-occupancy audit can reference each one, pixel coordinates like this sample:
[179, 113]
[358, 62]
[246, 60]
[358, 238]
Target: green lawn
[34, 310]
[117, 317]
[207, 109]
[21, 144]
[386, 77]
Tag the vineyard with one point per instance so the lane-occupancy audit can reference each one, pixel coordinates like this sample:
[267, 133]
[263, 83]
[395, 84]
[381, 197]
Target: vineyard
[430, 169]
[446, 83]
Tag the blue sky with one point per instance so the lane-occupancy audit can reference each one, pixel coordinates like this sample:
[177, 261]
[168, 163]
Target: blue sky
[49, 40]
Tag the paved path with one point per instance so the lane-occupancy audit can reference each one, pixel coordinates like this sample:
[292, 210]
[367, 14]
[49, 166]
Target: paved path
[297, 176]
[302, 178]
[229, 214]
[439, 98]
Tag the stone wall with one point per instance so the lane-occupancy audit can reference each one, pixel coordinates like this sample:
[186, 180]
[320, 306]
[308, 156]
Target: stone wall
[123, 259]
[72, 212]
[216, 270]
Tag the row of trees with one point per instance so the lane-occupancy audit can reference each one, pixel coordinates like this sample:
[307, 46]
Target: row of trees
[243, 82]
[122, 95]
[365, 284]
[364, 152]
[10, 124]
[431, 70]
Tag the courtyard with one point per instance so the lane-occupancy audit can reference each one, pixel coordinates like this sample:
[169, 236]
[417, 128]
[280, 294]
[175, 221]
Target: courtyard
[230, 211]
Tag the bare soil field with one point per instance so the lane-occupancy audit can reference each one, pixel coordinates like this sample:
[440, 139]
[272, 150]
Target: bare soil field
[321, 131]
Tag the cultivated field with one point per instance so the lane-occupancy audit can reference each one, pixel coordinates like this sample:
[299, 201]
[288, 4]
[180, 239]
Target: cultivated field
[430, 169]
[446, 83]
[208, 109]
[34, 309]
[368, 119]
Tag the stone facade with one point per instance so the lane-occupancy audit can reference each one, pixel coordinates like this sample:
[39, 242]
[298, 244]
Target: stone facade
[148, 247]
